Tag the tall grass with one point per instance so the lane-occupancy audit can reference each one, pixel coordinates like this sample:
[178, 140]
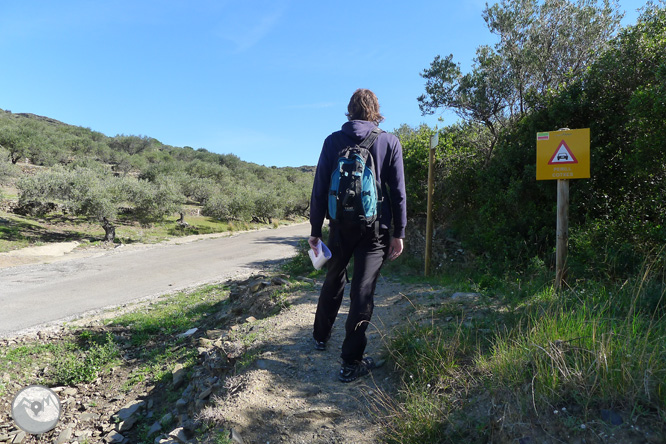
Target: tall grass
[595, 346]
[434, 379]
[586, 356]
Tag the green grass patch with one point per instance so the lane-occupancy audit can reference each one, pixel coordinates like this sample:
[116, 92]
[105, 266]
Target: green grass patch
[84, 355]
[154, 331]
[83, 363]
[531, 349]
[73, 360]
[172, 315]
[19, 232]
[587, 356]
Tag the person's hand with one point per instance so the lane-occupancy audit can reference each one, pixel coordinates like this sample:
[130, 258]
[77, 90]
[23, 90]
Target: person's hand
[313, 241]
[395, 249]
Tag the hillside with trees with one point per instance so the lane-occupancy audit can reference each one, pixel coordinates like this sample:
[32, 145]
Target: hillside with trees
[137, 178]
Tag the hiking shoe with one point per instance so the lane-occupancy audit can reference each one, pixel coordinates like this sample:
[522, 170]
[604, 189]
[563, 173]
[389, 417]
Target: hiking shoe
[353, 371]
[318, 345]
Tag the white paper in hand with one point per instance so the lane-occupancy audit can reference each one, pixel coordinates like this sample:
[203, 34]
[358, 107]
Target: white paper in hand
[323, 255]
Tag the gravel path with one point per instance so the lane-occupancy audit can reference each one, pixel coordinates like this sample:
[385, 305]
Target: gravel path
[291, 394]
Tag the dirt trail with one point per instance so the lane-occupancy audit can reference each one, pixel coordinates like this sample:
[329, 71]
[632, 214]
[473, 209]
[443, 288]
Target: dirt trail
[291, 393]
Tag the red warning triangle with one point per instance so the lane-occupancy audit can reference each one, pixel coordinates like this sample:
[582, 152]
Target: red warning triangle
[562, 155]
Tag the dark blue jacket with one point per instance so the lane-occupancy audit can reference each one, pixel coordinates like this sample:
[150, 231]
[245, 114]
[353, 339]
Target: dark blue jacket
[387, 153]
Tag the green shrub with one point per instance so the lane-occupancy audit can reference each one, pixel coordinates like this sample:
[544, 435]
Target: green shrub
[73, 365]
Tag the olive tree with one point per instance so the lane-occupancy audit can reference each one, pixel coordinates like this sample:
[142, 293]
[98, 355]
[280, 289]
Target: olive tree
[7, 170]
[99, 195]
[543, 46]
[15, 147]
[155, 200]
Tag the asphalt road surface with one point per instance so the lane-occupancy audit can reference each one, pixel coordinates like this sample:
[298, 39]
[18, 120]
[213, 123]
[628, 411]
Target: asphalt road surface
[34, 295]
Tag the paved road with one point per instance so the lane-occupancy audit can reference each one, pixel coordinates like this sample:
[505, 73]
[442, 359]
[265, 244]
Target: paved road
[33, 295]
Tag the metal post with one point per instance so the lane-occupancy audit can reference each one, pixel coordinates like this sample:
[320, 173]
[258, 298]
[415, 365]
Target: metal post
[562, 232]
[434, 141]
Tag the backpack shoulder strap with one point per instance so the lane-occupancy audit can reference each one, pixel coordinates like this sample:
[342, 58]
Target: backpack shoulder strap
[370, 140]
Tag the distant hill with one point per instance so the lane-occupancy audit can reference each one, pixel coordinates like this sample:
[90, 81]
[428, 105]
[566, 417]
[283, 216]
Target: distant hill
[225, 186]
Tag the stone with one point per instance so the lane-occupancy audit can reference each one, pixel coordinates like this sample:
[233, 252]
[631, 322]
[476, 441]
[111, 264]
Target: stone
[130, 409]
[19, 438]
[178, 375]
[188, 425]
[181, 404]
[166, 419]
[214, 334]
[236, 437]
[127, 424]
[114, 437]
[65, 435]
[188, 333]
[251, 319]
[255, 287]
[206, 393]
[155, 428]
[204, 342]
[88, 416]
[69, 391]
[179, 435]
[277, 280]
[465, 296]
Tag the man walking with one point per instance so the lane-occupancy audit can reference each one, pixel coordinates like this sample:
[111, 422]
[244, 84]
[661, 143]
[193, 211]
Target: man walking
[369, 244]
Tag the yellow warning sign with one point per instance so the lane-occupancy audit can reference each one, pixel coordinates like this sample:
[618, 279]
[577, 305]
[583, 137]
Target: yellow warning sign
[563, 154]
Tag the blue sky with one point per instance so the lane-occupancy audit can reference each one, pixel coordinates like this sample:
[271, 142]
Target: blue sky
[264, 80]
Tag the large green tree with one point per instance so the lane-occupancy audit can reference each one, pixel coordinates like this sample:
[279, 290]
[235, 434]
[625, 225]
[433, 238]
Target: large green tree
[543, 46]
[616, 216]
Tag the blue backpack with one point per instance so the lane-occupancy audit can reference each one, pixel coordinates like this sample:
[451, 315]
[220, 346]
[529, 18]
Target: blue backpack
[354, 193]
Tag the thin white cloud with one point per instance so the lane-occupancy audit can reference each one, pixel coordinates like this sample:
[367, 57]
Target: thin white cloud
[245, 28]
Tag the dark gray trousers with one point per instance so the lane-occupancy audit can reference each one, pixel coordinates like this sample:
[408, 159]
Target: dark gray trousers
[369, 253]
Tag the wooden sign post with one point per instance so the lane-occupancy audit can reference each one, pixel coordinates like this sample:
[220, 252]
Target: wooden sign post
[563, 155]
[562, 231]
[434, 141]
